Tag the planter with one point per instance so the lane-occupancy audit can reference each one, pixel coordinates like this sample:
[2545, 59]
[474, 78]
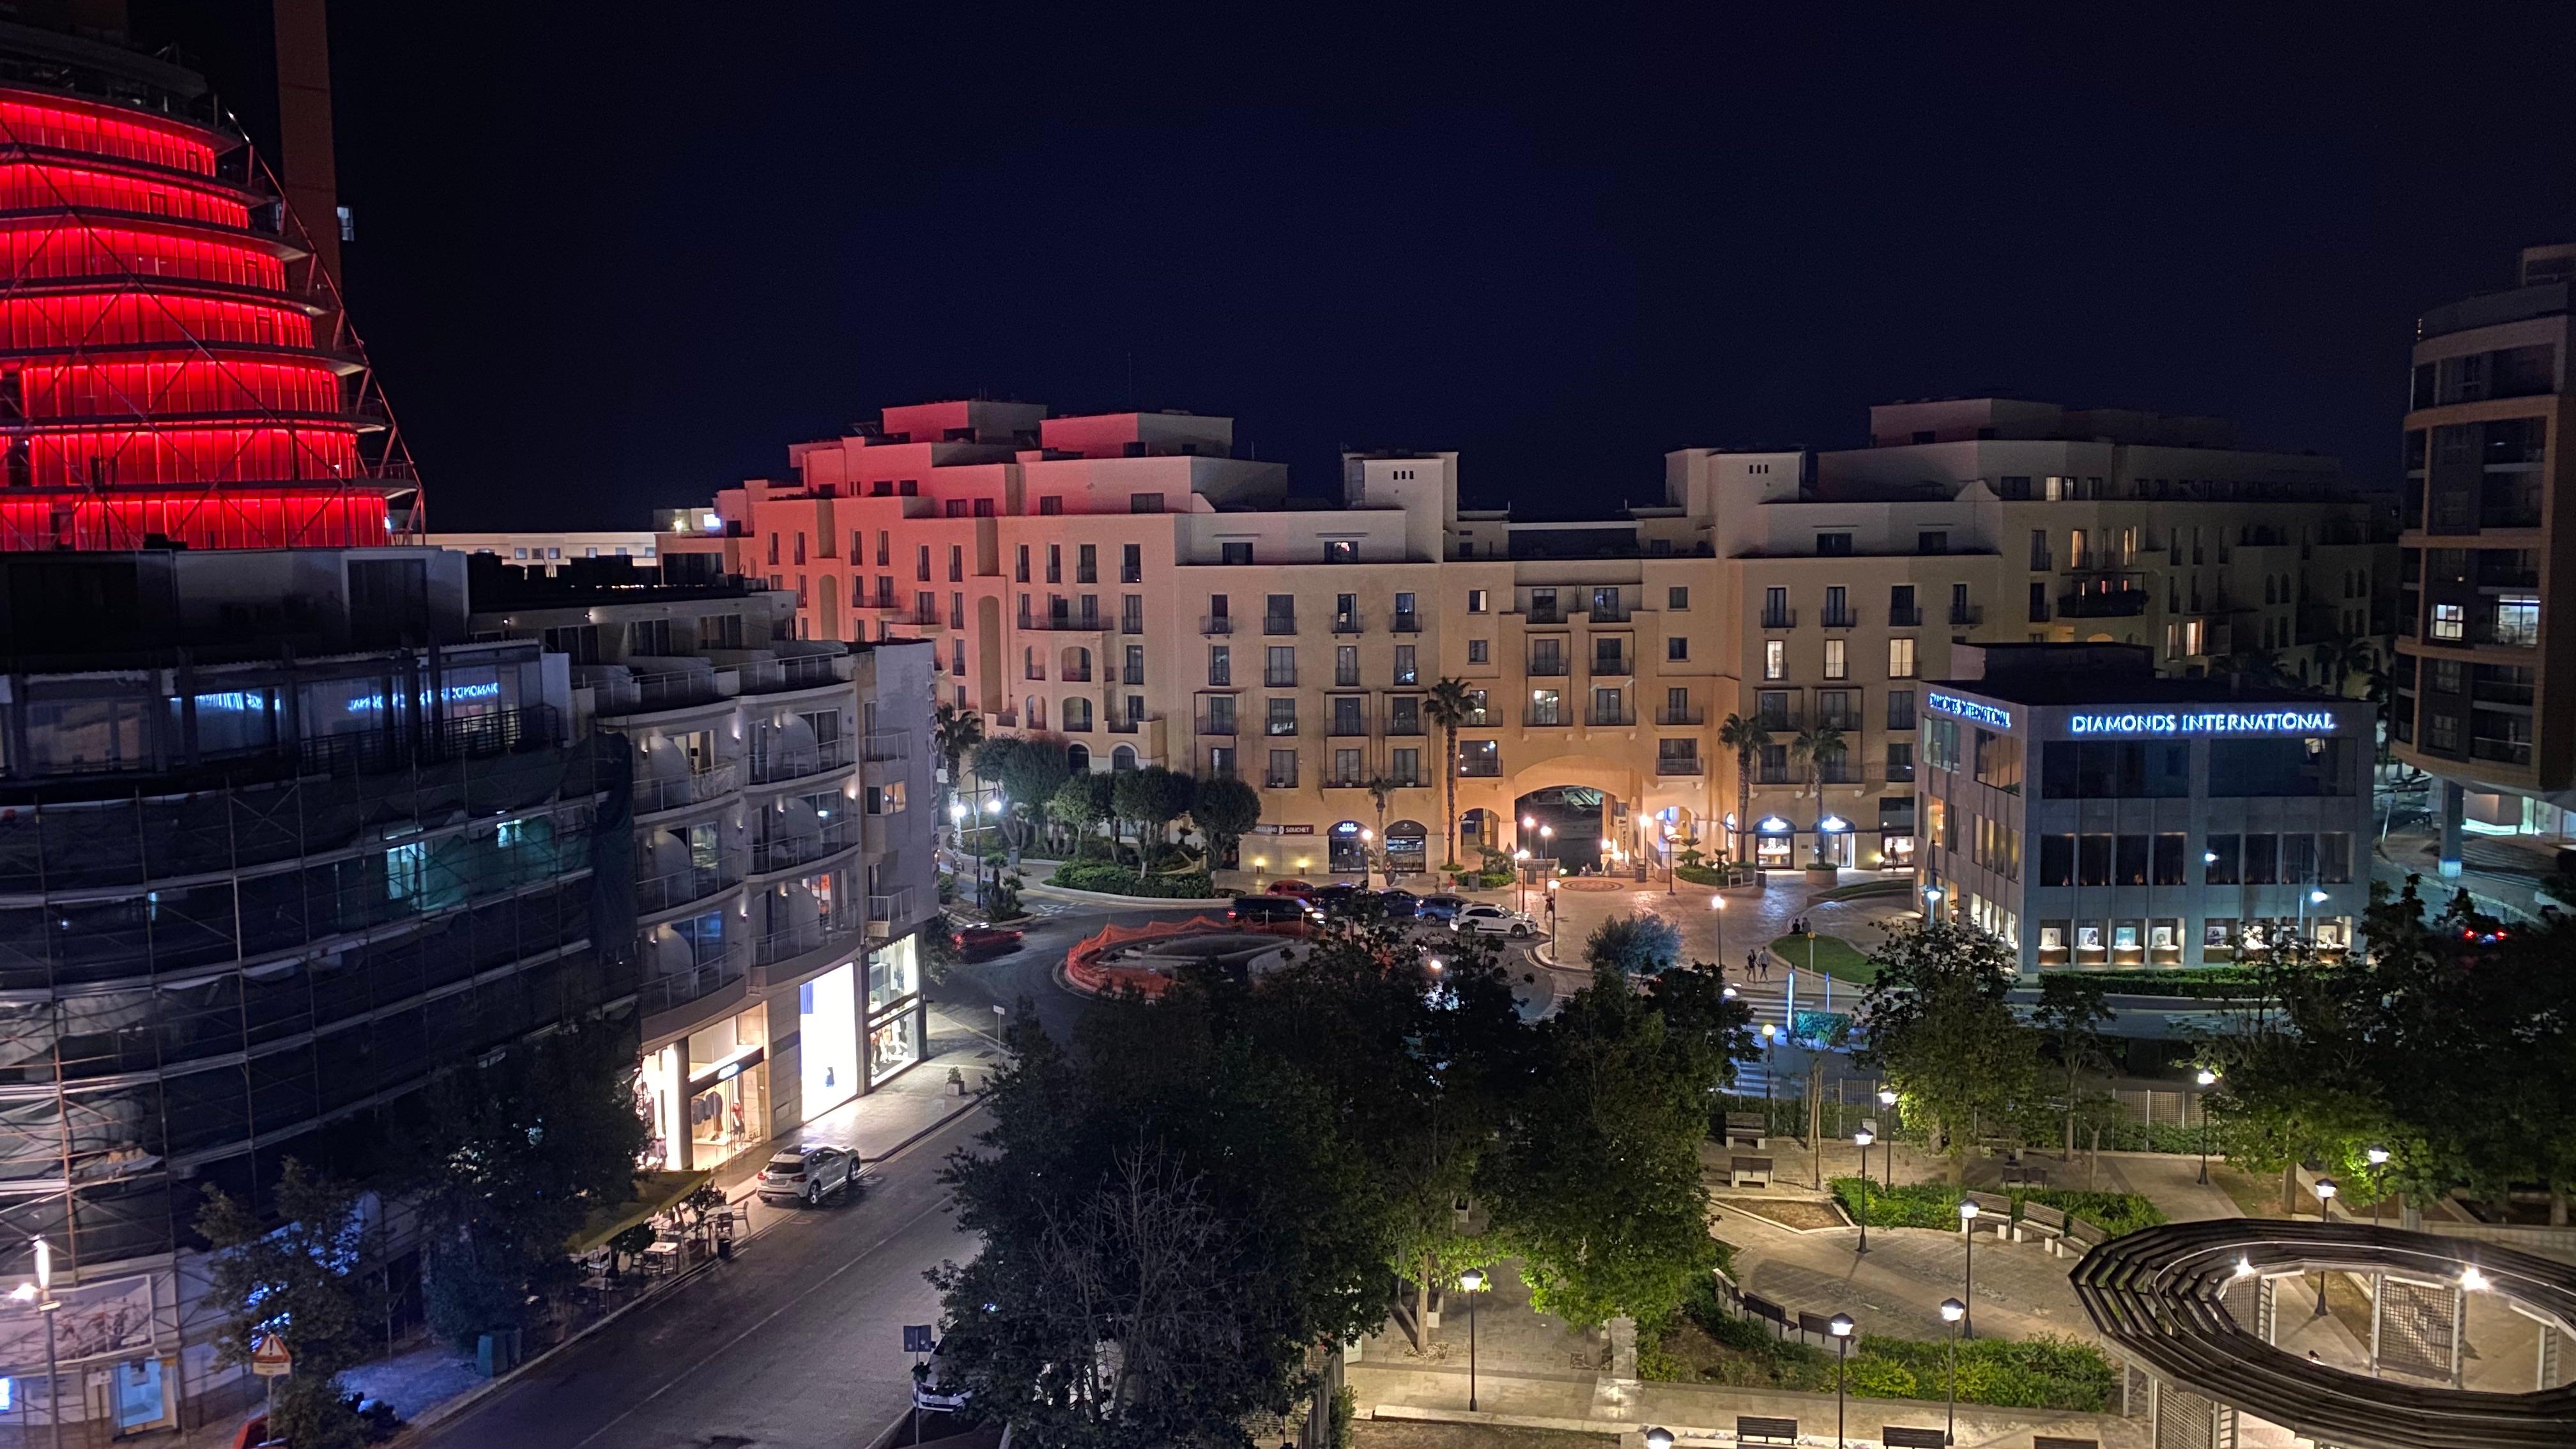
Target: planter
[1824, 874]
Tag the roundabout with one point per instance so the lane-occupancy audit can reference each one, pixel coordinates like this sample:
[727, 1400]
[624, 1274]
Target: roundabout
[2193, 1307]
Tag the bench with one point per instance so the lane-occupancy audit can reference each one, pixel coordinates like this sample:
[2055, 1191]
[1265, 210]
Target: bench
[1751, 1429]
[1747, 1129]
[1748, 1172]
[1898, 1436]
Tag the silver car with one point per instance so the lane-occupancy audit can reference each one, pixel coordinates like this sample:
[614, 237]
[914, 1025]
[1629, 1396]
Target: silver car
[1492, 920]
[808, 1174]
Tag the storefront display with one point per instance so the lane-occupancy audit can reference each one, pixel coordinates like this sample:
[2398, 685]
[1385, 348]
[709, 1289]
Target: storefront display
[894, 1043]
[707, 1097]
[827, 1033]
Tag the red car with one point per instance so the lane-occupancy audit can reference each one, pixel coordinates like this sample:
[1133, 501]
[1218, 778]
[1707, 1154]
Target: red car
[983, 943]
[1302, 889]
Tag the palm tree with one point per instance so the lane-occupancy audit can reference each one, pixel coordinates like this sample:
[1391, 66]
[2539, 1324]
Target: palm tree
[1450, 704]
[1820, 746]
[953, 732]
[2341, 656]
[1381, 789]
[1746, 738]
[2258, 667]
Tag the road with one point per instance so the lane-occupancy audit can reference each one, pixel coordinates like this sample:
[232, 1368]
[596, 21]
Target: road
[796, 1344]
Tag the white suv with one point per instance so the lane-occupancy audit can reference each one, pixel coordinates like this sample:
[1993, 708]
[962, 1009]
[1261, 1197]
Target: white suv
[1493, 921]
[808, 1174]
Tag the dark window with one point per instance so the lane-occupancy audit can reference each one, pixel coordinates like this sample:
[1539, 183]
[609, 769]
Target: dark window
[2222, 863]
[2262, 859]
[2131, 868]
[2057, 860]
[2094, 860]
[1833, 545]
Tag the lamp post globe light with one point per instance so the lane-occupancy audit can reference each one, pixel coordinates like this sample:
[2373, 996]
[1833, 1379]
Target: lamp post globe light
[2325, 1195]
[1472, 1282]
[1952, 1310]
[1770, 1034]
[1841, 1325]
[2207, 1079]
[1968, 1285]
[2377, 1157]
[1887, 1104]
[1659, 1439]
[1862, 1139]
[1520, 879]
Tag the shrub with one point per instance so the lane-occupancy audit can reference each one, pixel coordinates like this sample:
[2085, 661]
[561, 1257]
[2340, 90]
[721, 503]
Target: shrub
[1119, 880]
[1700, 875]
[1909, 1205]
[1877, 1378]
[2113, 1212]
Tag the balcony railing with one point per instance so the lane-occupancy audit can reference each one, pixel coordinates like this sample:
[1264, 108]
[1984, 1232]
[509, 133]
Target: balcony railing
[1274, 780]
[1685, 716]
[1840, 619]
[680, 888]
[1908, 617]
[1779, 618]
[1549, 668]
[1550, 614]
[1346, 727]
[651, 693]
[791, 850]
[1278, 623]
[1279, 729]
[1279, 679]
[1676, 764]
[1470, 768]
[889, 914]
[1345, 782]
[1131, 624]
[1609, 718]
[2102, 604]
[694, 982]
[1347, 623]
[1407, 622]
[2504, 752]
[1213, 725]
[1077, 674]
[800, 671]
[805, 939]
[769, 766]
[694, 789]
[1967, 614]
[1216, 624]
[1555, 719]
[1403, 728]
[883, 745]
[1613, 666]
[1063, 623]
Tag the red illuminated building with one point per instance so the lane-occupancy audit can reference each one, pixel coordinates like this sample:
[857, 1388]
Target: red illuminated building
[175, 363]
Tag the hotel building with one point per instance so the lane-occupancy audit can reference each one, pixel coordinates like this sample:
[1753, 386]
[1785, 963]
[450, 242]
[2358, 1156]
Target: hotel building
[1126, 585]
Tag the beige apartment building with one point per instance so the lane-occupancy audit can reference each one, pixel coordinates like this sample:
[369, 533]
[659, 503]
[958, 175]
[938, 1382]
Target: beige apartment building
[1124, 584]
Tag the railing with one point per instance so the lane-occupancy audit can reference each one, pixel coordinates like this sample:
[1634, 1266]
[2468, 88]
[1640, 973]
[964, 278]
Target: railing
[1610, 718]
[1279, 679]
[1908, 617]
[1278, 623]
[1216, 624]
[1613, 666]
[1472, 769]
[1347, 623]
[683, 887]
[1967, 614]
[1131, 624]
[1599, 615]
[1549, 668]
[1344, 782]
[769, 855]
[882, 745]
[1276, 781]
[1346, 727]
[2507, 752]
[1077, 674]
[1669, 716]
[1279, 729]
[1839, 772]
[1840, 619]
[1407, 622]
[1211, 725]
[1777, 775]
[2042, 562]
[1064, 623]
[921, 618]
[1791, 719]
[648, 693]
[1549, 615]
[801, 671]
[1403, 728]
[1676, 765]
[694, 982]
[888, 914]
[2102, 603]
[1779, 618]
[813, 936]
[692, 789]
[767, 767]
[1555, 719]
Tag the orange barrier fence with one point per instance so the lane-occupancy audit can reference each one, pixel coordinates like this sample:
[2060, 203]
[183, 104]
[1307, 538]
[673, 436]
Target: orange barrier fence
[1082, 964]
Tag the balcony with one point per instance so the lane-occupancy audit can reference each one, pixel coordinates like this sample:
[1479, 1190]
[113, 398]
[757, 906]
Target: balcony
[796, 671]
[1131, 726]
[2102, 604]
[1839, 772]
[1613, 666]
[2516, 753]
[717, 969]
[1550, 614]
[1609, 718]
[801, 940]
[1401, 728]
[1279, 679]
[1346, 727]
[1063, 623]
[888, 915]
[1779, 618]
[1276, 781]
[1279, 624]
[1347, 623]
[883, 745]
[683, 888]
[1908, 617]
[1840, 618]
[1549, 669]
[1554, 719]
[1470, 768]
[770, 766]
[1407, 622]
[1677, 764]
[614, 695]
[1216, 624]
[1345, 782]
[794, 850]
[1131, 623]
[1686, 716]
[1603, 614]
[1280, 729]
[1778, 775]
[1782, 721]
[1220, 727]
[1966, 615]
[706, 786]
[1076, 674]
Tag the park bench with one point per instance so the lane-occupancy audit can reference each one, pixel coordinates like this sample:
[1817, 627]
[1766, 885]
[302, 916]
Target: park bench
[1748, 1172]
[1752, 1429]
[1747, 1129]
[1899, 1436]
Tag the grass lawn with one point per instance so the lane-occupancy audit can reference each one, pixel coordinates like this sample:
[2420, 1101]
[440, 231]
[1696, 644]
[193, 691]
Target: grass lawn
[1835, 957]
[1866, 890]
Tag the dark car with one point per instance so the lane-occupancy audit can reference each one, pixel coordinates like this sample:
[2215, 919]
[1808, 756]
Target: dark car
[1399, 905]
[1338, 900]
[1439, 908]
[1268, 908]
[1301, 889]
[983, 943]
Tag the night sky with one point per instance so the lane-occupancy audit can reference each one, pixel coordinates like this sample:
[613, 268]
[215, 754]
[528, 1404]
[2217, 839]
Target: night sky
[612, 265]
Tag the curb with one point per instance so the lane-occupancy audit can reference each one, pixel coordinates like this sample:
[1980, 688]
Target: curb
[449, 1408]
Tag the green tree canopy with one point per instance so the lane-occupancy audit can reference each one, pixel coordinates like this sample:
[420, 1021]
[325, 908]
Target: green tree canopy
[1941, 1033]
[1153, 797]
[1226, 810]
[1638, 945]
[307, 1277]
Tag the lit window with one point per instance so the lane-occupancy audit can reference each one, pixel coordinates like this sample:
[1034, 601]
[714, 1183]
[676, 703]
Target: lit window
[1775, 659]
[1475, 601]
[2450, 621]
[1834, 667]
[1900, 659]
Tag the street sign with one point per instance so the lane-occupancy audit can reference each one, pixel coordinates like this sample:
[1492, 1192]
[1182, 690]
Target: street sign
[269, 1358]
[916, 1338]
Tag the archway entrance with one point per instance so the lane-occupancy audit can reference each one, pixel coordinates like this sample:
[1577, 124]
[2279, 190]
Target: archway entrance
[1566, 822]
[1478, 831]
[1407, 848]
[1344, 852]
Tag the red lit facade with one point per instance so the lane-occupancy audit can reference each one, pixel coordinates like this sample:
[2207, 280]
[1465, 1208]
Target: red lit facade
[174, 365]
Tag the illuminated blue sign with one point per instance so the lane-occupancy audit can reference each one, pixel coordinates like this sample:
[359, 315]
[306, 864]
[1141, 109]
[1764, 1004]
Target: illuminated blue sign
[452, 694]
[2205, 722]
[1985, 714]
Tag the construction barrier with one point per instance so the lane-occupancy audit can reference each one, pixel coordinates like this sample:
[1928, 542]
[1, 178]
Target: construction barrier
[1083, 970]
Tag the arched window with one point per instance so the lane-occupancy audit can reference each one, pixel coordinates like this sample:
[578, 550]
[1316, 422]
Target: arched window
[1031, 665]
[1407, 847]
[1077, 716]
[1036, 717]
[1122, 758]
[1078, 758]
[1077, 663]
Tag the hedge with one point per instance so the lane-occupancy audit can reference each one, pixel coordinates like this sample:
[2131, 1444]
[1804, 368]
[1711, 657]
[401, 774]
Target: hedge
[1700, 875]
[2038, 1373]
[1936, 1205]
[1119, 880]
[2222, 982]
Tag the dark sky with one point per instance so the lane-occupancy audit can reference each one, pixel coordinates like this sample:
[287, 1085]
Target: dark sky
[615, 262]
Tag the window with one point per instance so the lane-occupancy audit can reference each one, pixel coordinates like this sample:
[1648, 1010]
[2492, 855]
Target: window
[1134, 673]
[1086, 565]
[1900, 710]
[2129, 860]
[1131, 614]
[1281, 670]
[953, 507]
[1775, 659]
[1932, 541]
[1131, 557]
[1347, 718]
[2039, 548]
[2057, 860]
[1900, 761]
[1775, 609]
[1341, 550]
[1833, 545]
[1020, 568]
[1234, 553]
[1677, 649]
[1404, 715]
[2039, 603]
[1900, 659]
[1405, 765]
[1998, 761]
[2517, 620]
[2221, 861]
[1221, 762]
[1405, 672]
[1283, 770]
[2262, 860]
[921, 563]
[1834, 666]
[1478, 651]
[1547, 707]
[1283, 717]
[1677, 598]
[885, 548]
[2093, 860]
[1475, 601]
[1279, 614]
[1346, 665]
[1050, 505]
[1220, 715]
[2169, 858]
[1055, 563]
[2450, 621]
[1077, 716]
[1900, 607]
[956, 563]
[1144, 502]
[1771, 708]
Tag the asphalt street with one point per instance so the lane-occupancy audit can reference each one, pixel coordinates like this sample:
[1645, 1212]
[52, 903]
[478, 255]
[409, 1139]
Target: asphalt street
[796, 1344]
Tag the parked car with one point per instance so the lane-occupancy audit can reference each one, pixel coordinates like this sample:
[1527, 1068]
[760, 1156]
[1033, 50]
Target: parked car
[983, 943]
[1440, 908]
[1400, 905]
[808, 1173]
[1301, 889]
[1270, 908]
[1493, 921]
[1338, 900]
[929, 1392]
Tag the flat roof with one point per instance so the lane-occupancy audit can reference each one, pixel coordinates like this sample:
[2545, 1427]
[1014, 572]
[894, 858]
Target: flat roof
[2079, 687]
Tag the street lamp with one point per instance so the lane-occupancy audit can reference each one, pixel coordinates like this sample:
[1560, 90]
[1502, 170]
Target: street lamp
[1968, 1287]
[2325, 1195]
[1841, 1325]
[1862, 1139]
[41, 1293]
[1717, 903]
[2378, 1159]
[1473, 1282]
[1659, 1439]
[1887, 1104]
[1520, 879]
[2207, 1079]
[1952, 1310]
[1551, 918]
[1770, 1033]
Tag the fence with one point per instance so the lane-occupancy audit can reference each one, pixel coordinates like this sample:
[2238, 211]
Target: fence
[1082, 965]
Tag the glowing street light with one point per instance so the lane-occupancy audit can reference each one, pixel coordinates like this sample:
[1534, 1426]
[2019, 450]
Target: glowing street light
[1952, 1310]
[2207, 1079]
[2325, 1195]
[1473, 1281]
[1841, 1326]
[1968, 1288]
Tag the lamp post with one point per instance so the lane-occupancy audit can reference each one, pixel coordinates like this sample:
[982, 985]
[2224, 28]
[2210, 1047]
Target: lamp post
[1841, 1325]
[2325, 1195]
[1952, 1310]
[2206, 1079]
[1551, 918]
[1968, 1285]
[1528, 824]
[1887, 1104]
[1368, 840]
[1770, 1033]
[1862, 1139]
[2378, 1159]
[1669, 888]
[1520, 880]
[41, 1293]
[1473, 1282]
[1717, 904]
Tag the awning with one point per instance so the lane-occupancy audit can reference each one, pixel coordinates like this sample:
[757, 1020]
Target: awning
[655, 1192]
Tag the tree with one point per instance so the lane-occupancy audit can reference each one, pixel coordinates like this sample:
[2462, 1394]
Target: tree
[1081, 803]
[1633, 945]
[1596, 1178]
[511, 1157]
[1381, 790]
[1940, 1032]
[1746, 738]
[953, 732]
[1153, 797]
[2072, 1011]
[1225, 811]
[307, 1277]
[1030, 771]
[1450, 703]
[2339, 657]
[1822, 746]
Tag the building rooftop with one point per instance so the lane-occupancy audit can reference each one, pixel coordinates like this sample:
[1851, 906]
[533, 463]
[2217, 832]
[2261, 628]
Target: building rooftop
[2052, 674]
